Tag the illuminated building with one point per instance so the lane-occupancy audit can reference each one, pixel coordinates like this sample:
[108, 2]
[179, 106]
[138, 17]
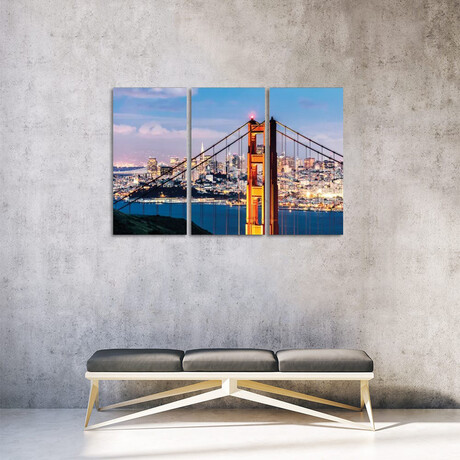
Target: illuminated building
[309, 163]
[152, 167]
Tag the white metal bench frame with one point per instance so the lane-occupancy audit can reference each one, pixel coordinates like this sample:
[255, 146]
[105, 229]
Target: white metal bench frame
[224, 384]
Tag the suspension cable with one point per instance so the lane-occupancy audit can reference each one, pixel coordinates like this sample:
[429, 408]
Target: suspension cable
[308, 139]
[221, 140]
[311, 148]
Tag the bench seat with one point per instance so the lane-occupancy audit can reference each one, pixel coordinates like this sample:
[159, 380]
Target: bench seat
[223, 372]
[327, 360]
[229, 360]
[136, 360]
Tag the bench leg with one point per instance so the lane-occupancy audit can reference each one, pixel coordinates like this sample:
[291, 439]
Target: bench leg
[293, 394]
[229, 387]
[243, 394]
[166, 394]
[208, 396]
[366, 399]
[93, 396]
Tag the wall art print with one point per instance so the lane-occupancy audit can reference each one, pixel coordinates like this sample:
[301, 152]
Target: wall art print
[149, 161]
[251, 172]
[307, 154]
[221, 123]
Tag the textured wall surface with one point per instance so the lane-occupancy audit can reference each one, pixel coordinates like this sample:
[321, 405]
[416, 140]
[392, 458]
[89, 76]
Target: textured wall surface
[389, 285]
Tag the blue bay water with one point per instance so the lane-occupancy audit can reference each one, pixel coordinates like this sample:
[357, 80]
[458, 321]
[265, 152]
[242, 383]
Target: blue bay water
[220, 219]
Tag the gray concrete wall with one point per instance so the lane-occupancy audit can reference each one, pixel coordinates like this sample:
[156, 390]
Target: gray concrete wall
[389, 285]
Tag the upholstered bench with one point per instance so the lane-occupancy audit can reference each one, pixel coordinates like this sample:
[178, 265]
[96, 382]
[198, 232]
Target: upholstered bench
[230, 372]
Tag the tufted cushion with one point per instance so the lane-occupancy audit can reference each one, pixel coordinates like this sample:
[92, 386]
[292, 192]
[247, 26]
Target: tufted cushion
[136, 360]
[324, 361]
[230, 360]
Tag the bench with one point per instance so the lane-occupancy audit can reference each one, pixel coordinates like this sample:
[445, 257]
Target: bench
[230, 372]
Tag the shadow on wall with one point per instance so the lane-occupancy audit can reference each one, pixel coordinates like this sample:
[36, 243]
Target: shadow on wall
[400, 397]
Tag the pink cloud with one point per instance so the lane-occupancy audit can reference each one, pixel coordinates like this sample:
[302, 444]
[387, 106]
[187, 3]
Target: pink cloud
[204, 133]
[123, 129]
[155, 130]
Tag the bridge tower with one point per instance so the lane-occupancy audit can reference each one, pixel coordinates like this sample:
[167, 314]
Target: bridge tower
[274, 225]
[256, 174]
[256, 187]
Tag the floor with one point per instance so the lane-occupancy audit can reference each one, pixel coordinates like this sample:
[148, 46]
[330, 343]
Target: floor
[228, 434]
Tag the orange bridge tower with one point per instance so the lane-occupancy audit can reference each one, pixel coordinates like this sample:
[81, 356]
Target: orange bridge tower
[255, 191]
[255, 222]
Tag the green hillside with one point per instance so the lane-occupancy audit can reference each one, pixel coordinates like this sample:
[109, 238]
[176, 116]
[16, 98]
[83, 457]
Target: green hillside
[130, 224]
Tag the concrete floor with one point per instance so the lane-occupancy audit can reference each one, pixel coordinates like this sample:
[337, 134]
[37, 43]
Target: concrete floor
[228, 434]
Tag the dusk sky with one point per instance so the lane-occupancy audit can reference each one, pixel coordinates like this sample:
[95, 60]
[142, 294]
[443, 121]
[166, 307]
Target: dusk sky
[152, 121]
[217, 112]
[314, 112]
[149, 122]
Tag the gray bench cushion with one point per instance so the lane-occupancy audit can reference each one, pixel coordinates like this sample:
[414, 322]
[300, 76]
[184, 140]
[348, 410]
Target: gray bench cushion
[136, 360]
[324, 361]
[230, 360]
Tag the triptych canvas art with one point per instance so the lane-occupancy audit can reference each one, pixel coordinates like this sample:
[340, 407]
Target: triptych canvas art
[246, 178]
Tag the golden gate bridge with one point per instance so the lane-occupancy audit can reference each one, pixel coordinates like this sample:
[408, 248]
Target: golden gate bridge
[256, 170]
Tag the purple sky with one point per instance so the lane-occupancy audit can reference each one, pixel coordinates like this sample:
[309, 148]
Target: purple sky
[148, 122]
[152, 121]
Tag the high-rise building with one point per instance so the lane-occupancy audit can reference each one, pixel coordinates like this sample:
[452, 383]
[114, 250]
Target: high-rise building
[152, 167]
[309, 163]
[319, 165]
[194, 170]
[236, 161]
[202, 167]
[207, 163]
[214, 165]
[165, 169]
[182, 167]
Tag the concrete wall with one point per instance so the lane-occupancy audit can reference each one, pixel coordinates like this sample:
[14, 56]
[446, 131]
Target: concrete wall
[389, 285]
